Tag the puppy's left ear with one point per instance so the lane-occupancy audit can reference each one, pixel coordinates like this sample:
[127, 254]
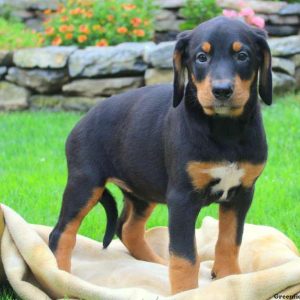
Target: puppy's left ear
[265, 76]
[179, 64]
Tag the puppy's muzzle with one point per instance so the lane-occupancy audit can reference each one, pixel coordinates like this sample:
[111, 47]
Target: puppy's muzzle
[222, 90]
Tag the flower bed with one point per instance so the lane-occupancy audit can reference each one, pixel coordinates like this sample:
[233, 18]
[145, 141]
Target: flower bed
[98, 23]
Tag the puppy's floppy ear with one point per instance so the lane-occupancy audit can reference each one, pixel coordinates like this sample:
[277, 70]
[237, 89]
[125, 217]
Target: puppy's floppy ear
[179, 58]
[265, 76]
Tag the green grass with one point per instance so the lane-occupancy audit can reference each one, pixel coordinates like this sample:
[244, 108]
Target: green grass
[14, 35]
[33, 171]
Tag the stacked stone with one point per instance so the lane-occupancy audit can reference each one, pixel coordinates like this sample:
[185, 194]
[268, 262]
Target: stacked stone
[75, 79]
[69, 78]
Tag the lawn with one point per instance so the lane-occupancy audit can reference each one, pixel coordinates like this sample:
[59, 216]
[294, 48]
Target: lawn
[33, 171]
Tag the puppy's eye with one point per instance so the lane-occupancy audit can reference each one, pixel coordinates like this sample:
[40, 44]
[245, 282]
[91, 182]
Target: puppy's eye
[202, 57]
[242, 56]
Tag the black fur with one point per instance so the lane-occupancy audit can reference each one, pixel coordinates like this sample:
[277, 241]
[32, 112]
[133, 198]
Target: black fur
[111, 210]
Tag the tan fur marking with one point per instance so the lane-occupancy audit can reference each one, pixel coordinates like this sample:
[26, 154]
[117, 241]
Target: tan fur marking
[241, 92]
[183, 274]
[206, 47]
[251, 173]
[204, 92]
[68, 237]
[177, 59]
[237, 46]
[195, 171]
[200, 179]
[133, 232]
[266, 66]
[119, 183]
[226, 251]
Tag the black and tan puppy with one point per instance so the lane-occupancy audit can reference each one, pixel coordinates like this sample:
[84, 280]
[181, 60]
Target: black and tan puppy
[184, 145]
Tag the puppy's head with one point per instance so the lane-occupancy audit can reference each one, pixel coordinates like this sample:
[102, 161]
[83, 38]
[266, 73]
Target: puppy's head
[223, 57]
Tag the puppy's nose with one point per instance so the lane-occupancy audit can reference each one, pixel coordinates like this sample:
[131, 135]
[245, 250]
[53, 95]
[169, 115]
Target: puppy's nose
[222, 90]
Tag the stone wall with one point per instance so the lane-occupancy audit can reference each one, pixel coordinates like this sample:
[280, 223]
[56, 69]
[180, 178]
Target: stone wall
[68, 78]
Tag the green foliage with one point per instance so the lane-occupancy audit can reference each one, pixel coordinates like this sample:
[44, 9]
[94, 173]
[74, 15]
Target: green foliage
[6, 293]
[99, 23]
[198, 11]
[14, 35]
[6, 12]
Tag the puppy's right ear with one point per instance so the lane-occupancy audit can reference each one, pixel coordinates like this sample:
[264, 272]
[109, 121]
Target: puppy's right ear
[179, 64]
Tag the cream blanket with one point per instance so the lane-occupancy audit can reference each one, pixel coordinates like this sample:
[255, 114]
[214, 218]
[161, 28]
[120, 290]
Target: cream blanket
[269, 260]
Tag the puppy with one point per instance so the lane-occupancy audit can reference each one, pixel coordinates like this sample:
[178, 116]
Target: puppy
[186, 145]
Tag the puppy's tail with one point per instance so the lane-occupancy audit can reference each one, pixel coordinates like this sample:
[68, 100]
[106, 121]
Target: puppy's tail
[111, 210]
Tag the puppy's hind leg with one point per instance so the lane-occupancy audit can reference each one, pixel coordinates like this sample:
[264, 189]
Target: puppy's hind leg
[82, 192]
[131, 229]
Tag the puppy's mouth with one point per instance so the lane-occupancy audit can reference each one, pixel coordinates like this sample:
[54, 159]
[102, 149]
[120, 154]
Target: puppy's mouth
[223, 110]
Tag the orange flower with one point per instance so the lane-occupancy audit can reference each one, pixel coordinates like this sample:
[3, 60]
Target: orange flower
[57, 41]
[69, 36]
[128, 6]
[49, 31]
[41, 41]
[71, 28]
[82, 38]
[122, 30]
[84, 29]
[64, 18]
[89, 14]
[63, 28]
[61, 9]
[47, 12]
[76, 11]
[136, 22]
[138, 32]
[102, 43]
[110, 17]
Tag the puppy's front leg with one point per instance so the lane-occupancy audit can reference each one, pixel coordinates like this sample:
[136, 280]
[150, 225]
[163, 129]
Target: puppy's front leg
[231, 224]
[184, 260]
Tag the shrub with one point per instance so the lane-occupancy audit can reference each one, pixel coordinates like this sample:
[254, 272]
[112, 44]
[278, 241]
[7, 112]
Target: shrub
[198, 11]
[99, 23]
[14, 35]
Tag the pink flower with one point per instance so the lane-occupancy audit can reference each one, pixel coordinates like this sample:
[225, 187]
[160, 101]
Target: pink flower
[241, 3]
[230, 13]
[258, 22]
[247, 12]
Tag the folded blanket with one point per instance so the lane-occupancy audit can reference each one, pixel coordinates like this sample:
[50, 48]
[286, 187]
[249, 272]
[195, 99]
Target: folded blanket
[269, 261]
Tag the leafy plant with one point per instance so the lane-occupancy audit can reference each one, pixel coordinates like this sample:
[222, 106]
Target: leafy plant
[14, 35]
[98, 23]
[198, 11]
[6, 12]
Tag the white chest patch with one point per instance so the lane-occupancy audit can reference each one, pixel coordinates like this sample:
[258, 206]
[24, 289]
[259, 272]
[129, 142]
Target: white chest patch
[230, 176]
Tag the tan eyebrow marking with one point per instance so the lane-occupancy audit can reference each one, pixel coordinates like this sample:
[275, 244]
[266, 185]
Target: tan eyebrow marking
[237, 46]
[206, 47]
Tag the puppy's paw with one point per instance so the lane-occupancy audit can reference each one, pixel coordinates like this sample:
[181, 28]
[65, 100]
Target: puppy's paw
[218, 272]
